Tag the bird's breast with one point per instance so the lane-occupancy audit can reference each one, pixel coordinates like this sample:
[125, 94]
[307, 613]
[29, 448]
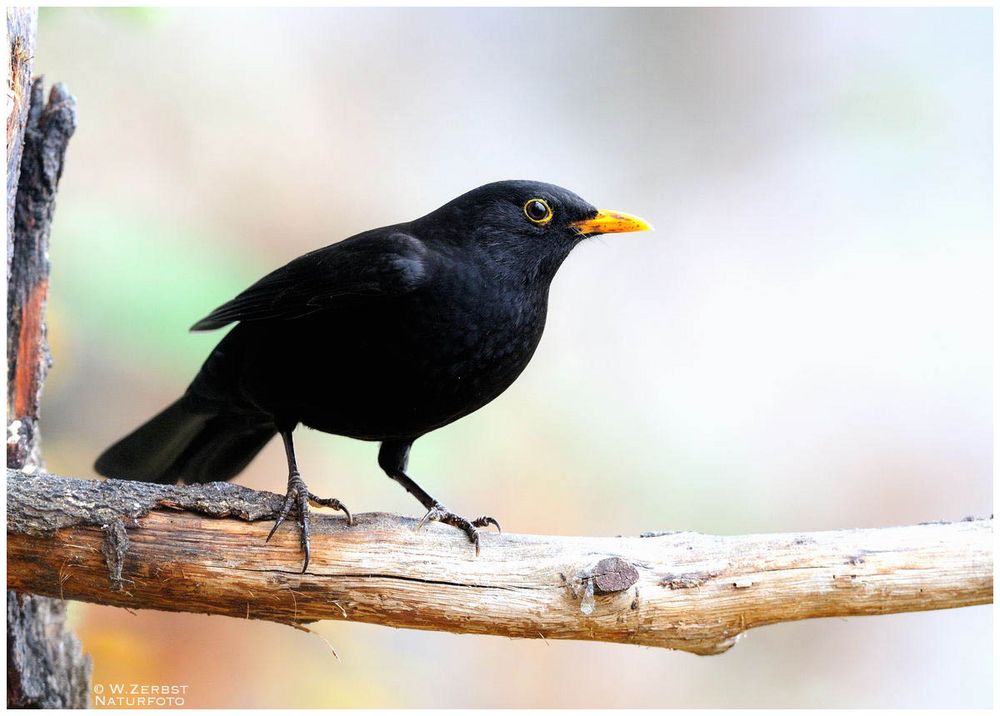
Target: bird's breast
[471, 351]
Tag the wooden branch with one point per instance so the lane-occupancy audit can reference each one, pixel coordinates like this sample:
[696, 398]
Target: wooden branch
[146, 546]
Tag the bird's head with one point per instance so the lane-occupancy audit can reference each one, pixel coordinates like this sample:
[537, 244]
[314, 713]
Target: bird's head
[527, 227]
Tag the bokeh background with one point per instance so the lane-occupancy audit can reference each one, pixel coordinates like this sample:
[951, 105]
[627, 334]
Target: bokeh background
[803, 343]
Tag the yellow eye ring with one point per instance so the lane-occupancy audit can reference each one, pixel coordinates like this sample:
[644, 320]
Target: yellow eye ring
[538, 211]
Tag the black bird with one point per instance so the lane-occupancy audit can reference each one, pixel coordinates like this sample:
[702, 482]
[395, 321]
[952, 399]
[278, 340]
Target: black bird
[384, 336]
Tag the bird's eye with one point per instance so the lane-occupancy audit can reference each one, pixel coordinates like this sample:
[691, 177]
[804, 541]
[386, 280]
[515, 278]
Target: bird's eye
[538, 211]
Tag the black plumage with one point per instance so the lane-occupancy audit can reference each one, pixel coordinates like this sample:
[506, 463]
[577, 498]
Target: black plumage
[384, 336]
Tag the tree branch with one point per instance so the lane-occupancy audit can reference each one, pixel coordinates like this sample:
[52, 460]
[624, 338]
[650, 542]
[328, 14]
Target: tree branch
[145, 546]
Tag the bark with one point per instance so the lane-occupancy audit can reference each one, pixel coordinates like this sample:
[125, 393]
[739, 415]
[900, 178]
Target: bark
[21, 31]
[45, 664]
[201, 549]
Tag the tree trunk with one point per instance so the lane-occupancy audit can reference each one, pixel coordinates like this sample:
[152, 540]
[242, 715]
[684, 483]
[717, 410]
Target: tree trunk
[46, 667]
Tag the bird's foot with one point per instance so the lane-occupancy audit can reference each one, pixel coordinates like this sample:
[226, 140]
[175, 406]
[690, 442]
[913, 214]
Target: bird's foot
[334, 503]
[299, 497]
[440, 513]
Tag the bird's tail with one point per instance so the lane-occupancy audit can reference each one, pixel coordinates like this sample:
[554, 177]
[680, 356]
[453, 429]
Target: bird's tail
[184, 443]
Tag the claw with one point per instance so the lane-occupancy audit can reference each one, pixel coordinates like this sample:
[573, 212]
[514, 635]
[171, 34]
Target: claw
[439, 513]
[487, 520]
[307, 551]
[277, 523]
[303, 505]
[334, 503]
[300, 497]
[286, 507]
[433, 513]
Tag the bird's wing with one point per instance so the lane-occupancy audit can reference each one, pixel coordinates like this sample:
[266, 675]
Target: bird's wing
[365, 265]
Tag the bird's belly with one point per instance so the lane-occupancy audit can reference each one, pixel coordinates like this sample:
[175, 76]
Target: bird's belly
[388, 376]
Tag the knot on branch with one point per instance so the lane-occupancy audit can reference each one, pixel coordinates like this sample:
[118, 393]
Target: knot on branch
[613, 574]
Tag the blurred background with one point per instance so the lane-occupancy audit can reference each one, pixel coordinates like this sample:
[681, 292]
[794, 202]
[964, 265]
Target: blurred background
[804, 343]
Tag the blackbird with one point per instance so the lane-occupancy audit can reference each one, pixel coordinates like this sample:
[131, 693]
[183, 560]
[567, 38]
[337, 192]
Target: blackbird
[384, 336]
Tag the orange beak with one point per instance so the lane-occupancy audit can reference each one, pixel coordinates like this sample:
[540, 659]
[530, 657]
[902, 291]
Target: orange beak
[611, 222]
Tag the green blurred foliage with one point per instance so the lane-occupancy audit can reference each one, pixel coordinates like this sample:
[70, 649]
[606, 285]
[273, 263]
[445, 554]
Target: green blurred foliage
[145, 284]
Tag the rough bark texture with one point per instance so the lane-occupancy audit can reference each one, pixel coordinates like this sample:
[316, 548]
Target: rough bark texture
[21, 29]
[174, 548]
[45, 664]
[45, 138]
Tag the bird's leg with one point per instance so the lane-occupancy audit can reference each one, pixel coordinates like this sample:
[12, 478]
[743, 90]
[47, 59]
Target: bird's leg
[299, 497]
[392, 458]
